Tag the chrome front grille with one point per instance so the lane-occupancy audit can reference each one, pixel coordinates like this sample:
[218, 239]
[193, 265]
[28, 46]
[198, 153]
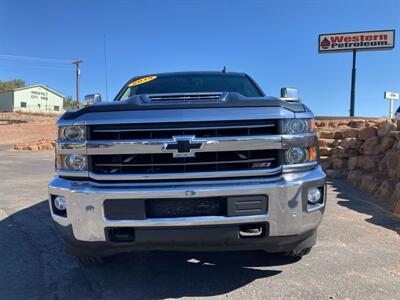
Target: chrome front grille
[224, 149]
[202, 162]
[198, 129]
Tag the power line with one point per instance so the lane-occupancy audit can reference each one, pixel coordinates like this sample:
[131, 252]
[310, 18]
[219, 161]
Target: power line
[34, 59]
[34, 67]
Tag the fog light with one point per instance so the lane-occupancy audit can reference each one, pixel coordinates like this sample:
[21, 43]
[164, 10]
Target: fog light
[59, 203]
[75, 162]
[314, 195]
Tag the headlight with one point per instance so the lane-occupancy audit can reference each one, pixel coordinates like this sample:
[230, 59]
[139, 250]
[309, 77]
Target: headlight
[74, 134]
[297, 126]
[73, 162]
[298, 155]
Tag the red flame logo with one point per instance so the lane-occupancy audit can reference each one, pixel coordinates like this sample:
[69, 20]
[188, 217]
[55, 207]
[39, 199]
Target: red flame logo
[325, 44]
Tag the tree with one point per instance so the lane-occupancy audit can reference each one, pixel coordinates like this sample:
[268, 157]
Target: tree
[6, 86]
[70, 103]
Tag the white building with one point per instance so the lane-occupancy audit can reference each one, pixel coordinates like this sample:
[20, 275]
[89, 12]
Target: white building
[35, 98]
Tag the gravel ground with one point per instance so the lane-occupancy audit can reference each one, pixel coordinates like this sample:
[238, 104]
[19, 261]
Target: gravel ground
[357, 255]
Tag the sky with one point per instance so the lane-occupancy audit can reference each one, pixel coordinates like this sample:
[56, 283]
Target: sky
[275, 42]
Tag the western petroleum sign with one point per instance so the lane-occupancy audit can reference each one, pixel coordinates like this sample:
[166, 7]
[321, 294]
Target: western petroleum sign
[349, 41]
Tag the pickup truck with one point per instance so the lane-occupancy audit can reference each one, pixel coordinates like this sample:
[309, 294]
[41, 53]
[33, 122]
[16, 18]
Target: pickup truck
[191, 161]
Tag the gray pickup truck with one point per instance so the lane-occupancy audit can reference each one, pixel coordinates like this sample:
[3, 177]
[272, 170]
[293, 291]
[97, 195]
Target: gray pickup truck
[201, 161]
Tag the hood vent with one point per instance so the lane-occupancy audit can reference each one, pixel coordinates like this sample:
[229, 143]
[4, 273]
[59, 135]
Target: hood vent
[185, 97]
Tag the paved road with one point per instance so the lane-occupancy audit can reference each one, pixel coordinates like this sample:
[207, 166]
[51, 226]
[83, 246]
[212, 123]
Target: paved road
[357, 256]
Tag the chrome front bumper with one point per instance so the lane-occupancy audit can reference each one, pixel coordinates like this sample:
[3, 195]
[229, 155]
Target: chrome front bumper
[288, 213]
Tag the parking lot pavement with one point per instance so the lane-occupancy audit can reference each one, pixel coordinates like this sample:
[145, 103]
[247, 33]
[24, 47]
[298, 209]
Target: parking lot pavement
[357, 255]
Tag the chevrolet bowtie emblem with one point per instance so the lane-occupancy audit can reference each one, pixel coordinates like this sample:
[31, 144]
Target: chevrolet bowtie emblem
[183, 146]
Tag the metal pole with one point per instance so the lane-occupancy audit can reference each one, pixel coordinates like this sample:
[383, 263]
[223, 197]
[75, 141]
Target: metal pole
[353, 85]
[77, 73]
[391, 109]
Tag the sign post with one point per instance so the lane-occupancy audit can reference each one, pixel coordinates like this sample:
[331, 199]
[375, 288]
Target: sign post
[391, 96]
[355, 41]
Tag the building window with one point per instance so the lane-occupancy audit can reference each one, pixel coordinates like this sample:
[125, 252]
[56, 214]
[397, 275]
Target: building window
[23, 104]
[56, 108]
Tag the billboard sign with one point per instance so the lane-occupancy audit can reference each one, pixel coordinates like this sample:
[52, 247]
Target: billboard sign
[391, 96]
[349, 41]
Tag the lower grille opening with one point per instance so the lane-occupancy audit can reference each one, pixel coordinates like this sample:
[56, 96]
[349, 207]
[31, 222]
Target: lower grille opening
[120, 234]
[191, 207]
[229, 206]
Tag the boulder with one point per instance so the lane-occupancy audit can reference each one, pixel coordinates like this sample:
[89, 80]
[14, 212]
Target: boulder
[366, 133]
[395, 135]
[386, 189]
[370, 146]
[369, 163]
[43, 144]
[395, 200]
[354, 177]
[350, 143]
[357, 123]
[370, 182]
[324, 151]
[338, 135]
[339, 152]
[382, 166]
[343, 126]
[386, 144]
[339, 163]
[337, 173]
[332, 124]
[353, 162]
[326, 134]
[326, 162]
[396, 145]
[350, 133]
[385, 127]
[326, 142]
[390, 165]
[396, 210]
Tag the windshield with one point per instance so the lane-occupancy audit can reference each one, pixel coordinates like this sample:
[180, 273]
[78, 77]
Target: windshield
[191, 83]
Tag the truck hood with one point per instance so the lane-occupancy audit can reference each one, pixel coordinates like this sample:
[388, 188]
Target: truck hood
[144, 102]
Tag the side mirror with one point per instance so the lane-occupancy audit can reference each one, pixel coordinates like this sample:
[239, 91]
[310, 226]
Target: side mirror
[91, 99]
[290, 94]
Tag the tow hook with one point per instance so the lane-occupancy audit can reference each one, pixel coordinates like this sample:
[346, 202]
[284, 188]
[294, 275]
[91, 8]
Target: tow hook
[251, 230]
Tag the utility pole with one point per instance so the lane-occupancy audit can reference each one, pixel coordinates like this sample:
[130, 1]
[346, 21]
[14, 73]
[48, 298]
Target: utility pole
[77, 74]
[353, 85]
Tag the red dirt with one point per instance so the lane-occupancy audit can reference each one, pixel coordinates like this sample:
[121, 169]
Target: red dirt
[36, 128]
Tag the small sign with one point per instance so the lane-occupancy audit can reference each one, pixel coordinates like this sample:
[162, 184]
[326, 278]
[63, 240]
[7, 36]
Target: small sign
[391, 95]
[349, 41]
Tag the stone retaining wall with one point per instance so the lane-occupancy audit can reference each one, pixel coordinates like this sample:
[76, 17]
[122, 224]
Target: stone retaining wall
[367, 153]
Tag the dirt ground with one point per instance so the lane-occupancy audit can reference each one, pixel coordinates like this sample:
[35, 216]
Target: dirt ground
[33, 129]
